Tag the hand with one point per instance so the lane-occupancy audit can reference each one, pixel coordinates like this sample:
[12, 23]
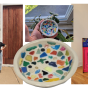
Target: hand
[36, 34]
[3, 47]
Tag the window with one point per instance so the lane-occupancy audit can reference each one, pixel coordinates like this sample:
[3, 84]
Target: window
[65, 16]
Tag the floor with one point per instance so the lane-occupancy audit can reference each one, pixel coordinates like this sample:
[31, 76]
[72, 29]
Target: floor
[8, 76]
[79, 77]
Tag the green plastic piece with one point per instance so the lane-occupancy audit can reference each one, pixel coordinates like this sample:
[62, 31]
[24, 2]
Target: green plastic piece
[70, 68]
[66, 62]
[59, 71]
[62, 77]
[50, 57]
[31, 48]
[41, 60]
[51, 43]
[45, 79]
[25, 63]
[38, 51]
[59, 53]
[67, 53]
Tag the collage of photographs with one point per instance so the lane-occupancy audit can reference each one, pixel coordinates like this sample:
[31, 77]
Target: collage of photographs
[47, 59]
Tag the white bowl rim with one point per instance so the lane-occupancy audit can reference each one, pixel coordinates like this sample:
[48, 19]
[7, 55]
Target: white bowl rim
[53, 33]
[46, 84]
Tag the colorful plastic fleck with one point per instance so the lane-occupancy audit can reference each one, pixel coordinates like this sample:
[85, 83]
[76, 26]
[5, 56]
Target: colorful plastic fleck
[20, 61]
[51, 43]
[62, 77]
[50, 57]
[31, 48]
[62, 48]
[23, 54]
[24, 69]
[48, 50]
[34, 63]
[59, 53]
[67, 53]
[57, 75]
[40, 80]
[50, 75]
[66, 62]
[54, 53]
[66, 69]
[56, 47]
[44, 72]
[43, 55]
[60, 62]
[49, 69]
[59, 71]
[38, 51]
[25, 63]
[63, 57]
[41, 60]
[53, 64]
[40, 45]
[53, 79]
[28, 58]
[37, 71]
[32, 52]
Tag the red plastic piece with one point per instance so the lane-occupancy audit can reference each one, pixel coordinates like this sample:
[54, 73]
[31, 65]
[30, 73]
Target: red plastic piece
[40, 75]
[50, 75]
[54, 52]
[32, 52]
[69, 58]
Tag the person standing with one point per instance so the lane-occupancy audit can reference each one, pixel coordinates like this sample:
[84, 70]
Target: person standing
[2, 47]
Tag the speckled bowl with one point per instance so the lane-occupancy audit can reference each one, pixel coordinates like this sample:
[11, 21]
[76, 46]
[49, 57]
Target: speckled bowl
[45, 62]
[52, 27]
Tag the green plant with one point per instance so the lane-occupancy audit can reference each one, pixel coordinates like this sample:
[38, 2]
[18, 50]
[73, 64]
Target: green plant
[29, 8]
[52, 17]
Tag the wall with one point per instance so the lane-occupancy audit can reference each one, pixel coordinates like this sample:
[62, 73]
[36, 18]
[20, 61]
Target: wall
[80, 27]
[0, 22]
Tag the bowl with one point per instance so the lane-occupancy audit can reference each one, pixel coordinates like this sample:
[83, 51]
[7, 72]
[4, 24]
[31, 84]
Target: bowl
[49, 28]
[45, 62]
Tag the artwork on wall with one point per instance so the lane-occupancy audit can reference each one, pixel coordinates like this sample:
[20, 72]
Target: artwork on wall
[85, 54]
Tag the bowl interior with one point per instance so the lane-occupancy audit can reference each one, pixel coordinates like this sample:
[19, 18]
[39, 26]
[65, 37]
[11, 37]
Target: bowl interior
[49, 27]
[44, 62]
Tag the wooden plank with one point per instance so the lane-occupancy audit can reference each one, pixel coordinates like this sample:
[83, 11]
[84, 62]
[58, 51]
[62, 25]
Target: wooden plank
[15, 31]
[5, 33]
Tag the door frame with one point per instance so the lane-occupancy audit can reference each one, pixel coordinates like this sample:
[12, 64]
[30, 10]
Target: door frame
[10, 65]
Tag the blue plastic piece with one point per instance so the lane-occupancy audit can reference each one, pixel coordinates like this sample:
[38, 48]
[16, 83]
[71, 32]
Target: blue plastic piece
[23, 54]
[40, 45]
[56, 47]
[37, 71]
[57, 75]
[40, 80]
[66, 69]
[53, 64]
[70, 62]
[24, 69]
[43, 55]
[63, 57]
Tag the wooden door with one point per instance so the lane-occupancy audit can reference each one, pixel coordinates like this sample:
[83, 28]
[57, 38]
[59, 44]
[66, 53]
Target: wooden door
[12, 31]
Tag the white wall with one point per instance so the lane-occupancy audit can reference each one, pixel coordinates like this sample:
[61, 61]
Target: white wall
[0, 22]
[80, 28]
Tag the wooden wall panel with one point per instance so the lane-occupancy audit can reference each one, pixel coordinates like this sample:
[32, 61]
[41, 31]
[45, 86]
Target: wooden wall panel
[12, 31]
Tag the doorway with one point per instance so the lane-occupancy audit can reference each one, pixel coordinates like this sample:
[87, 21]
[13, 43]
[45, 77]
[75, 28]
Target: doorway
[12, 31]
